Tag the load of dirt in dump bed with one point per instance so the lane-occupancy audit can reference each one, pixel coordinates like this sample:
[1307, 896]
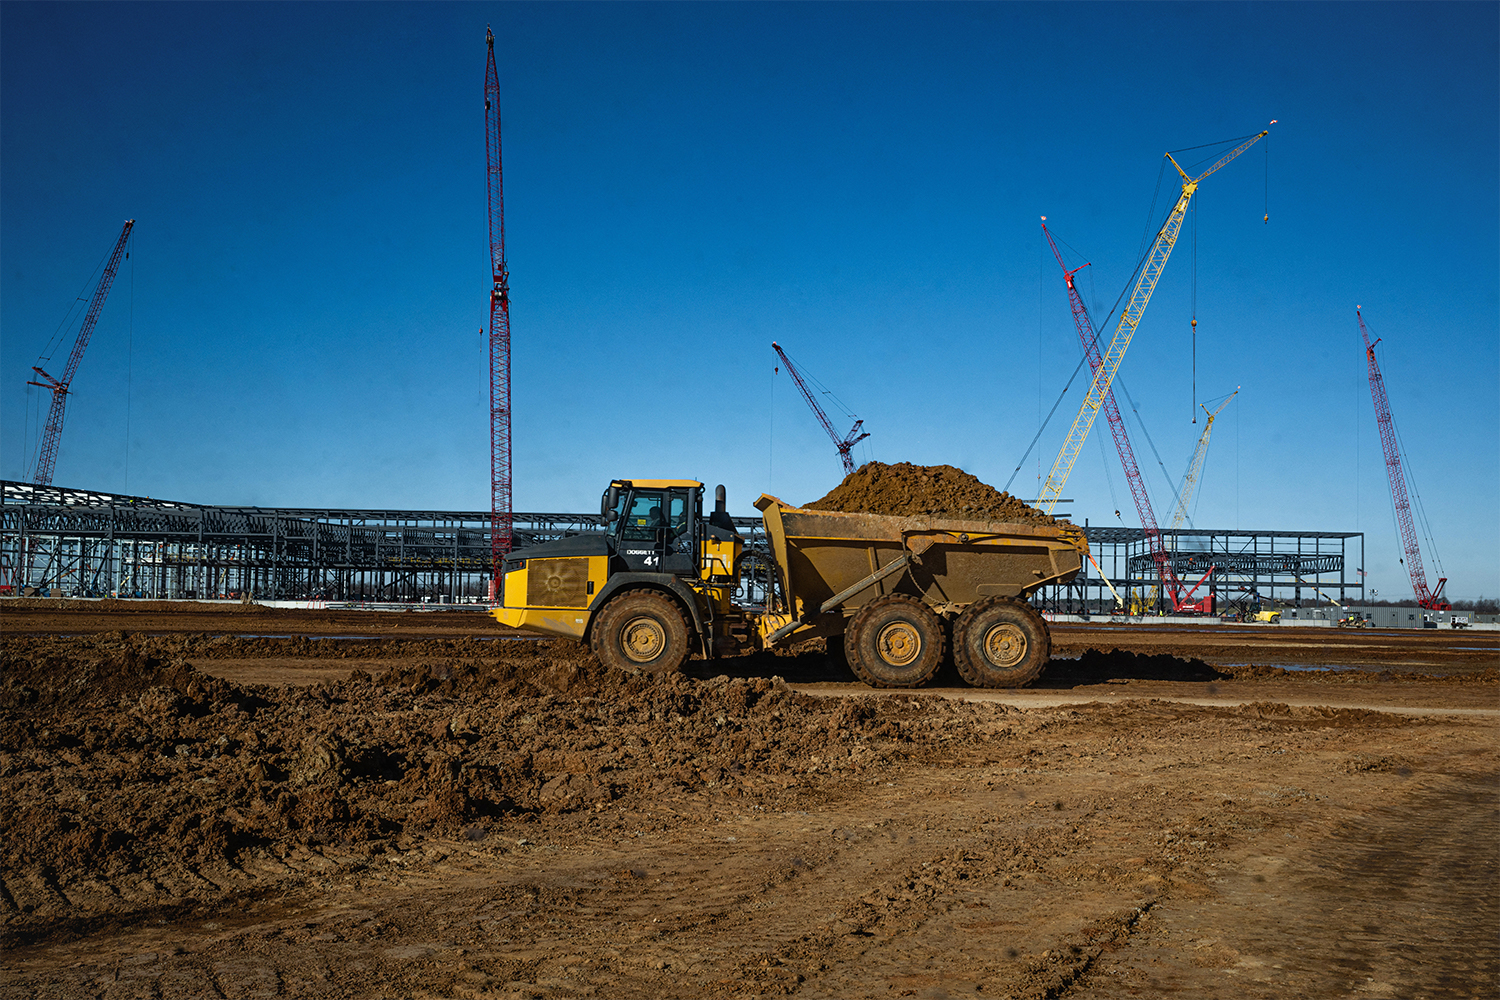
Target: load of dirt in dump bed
[908, 490]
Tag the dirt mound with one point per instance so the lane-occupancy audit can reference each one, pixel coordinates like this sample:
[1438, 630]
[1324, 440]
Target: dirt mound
[909, 490]
[167, 770]
[113, 669]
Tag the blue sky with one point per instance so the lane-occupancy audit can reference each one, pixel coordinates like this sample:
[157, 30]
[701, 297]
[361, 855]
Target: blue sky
[298, 323]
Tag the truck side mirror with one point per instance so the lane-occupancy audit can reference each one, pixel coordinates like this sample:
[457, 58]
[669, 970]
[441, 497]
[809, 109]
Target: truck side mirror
[611, 500]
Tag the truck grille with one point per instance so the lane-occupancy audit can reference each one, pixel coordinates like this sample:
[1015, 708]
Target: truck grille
[557, 583]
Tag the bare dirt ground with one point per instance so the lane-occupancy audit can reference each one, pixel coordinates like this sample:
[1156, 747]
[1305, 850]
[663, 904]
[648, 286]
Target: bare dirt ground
[216, 803]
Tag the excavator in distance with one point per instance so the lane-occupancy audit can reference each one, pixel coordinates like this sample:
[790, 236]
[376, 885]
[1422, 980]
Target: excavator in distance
[658, 583]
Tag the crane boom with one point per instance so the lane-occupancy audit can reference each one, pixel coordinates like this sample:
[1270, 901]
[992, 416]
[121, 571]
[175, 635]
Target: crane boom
[500, 460]
[1429, 599]
[1104, 376]
[843, 444]
[1090, 341]
[1195, 466]
[52, 435]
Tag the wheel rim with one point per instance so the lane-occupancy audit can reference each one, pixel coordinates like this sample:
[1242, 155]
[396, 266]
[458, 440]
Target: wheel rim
[643, 639]
[898, 644]
[1005, 645]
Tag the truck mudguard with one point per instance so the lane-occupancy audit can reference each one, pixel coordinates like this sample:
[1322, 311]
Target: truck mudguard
[653, 581]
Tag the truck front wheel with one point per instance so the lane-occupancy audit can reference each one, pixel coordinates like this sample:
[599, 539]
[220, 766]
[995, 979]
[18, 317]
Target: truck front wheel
[641, 630]
[999, 642]
[894, 642]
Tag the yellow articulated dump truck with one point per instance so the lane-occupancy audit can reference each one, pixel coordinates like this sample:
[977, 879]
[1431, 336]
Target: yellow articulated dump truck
[896, 594]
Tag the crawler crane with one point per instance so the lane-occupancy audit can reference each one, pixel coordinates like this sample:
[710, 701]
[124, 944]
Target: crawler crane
[848, 441]
[1432, 599]
[52, 435]
[500, 453]
[1090, 341]
[1195, 467]
[1155, 261]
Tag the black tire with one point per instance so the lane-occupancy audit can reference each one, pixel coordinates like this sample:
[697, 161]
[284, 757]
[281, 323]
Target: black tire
[641, 630]
[894, 642]
[1000, 642]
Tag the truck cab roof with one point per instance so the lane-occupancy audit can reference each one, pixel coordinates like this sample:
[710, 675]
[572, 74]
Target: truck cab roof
[655, 483]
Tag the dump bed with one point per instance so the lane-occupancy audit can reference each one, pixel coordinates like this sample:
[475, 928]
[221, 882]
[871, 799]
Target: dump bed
[948, 562]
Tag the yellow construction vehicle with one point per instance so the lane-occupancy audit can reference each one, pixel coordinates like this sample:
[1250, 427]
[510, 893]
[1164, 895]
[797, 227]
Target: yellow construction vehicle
[1260, 612]
[658, 583]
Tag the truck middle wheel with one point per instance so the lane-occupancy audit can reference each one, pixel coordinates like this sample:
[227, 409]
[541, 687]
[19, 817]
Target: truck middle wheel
[894, 642]
[641, 630]
[1000, 642]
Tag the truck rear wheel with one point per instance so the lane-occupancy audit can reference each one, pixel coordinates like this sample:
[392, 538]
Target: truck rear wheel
[1000, 642]
[641, 630]
[894, 642]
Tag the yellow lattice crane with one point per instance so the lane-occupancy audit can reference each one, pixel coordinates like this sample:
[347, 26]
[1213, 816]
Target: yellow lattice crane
[1190, 481]
[1104, 375]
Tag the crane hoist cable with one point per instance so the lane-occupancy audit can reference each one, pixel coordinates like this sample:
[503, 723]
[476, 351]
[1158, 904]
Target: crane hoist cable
[1038, 435]
[1130, 319]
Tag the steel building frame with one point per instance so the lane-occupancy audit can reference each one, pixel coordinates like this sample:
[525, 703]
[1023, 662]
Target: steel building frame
[91, 543]
[1237, 567]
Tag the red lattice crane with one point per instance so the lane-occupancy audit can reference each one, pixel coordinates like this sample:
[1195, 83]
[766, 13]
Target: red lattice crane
[1090, 341]
[52, 435]
[500, 465]
[1432, 600]
[843, 444]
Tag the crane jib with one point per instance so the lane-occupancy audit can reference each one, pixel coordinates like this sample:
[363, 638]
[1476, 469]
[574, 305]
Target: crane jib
[52, 434]
[1426, 597]
[1140, 297]
[1165, 573]
[843, 444]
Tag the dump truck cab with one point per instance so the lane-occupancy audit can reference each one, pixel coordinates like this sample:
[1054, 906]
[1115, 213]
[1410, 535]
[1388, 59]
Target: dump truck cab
[652, 524]
[657, 554]
[658, 527]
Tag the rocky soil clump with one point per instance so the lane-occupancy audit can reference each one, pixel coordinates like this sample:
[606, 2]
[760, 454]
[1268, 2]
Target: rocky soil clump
[119, 758]
[908, 490]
